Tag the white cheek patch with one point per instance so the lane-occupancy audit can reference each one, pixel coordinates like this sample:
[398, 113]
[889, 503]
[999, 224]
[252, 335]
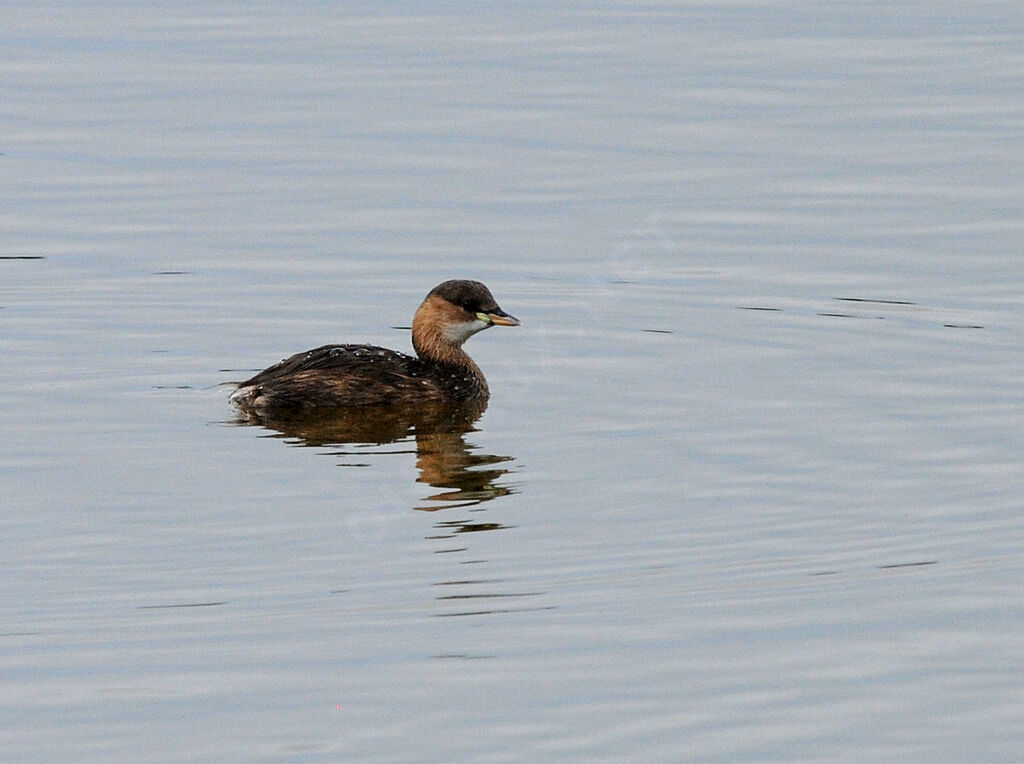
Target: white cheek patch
[462, 331]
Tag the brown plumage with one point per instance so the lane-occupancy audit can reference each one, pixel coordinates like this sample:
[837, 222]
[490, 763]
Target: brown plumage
[340, 376]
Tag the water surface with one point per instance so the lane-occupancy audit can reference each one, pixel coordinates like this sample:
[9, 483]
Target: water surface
[748, 485]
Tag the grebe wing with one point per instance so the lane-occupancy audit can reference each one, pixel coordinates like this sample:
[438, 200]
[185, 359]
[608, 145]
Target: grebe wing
[340, 359]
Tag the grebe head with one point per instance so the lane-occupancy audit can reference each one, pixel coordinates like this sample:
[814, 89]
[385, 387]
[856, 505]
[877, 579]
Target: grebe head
[453, 312]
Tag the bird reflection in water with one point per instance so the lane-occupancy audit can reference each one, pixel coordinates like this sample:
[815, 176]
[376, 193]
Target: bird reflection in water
[444, 459]
[460, 475]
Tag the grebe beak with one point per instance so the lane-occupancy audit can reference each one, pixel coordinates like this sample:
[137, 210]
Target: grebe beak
[498, 318]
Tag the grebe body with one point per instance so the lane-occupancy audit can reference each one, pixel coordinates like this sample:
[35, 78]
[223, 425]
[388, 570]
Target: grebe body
[341, 376]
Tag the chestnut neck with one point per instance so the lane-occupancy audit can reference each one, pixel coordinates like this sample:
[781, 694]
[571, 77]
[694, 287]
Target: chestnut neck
[435, 346]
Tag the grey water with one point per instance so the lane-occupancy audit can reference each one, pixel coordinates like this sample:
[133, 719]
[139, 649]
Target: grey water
[749, 483]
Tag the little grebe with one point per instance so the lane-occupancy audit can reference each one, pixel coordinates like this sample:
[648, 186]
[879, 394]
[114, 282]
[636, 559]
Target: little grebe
[337, 376]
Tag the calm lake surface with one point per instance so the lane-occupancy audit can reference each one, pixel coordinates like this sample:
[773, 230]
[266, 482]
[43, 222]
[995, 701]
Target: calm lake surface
[749, 485]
